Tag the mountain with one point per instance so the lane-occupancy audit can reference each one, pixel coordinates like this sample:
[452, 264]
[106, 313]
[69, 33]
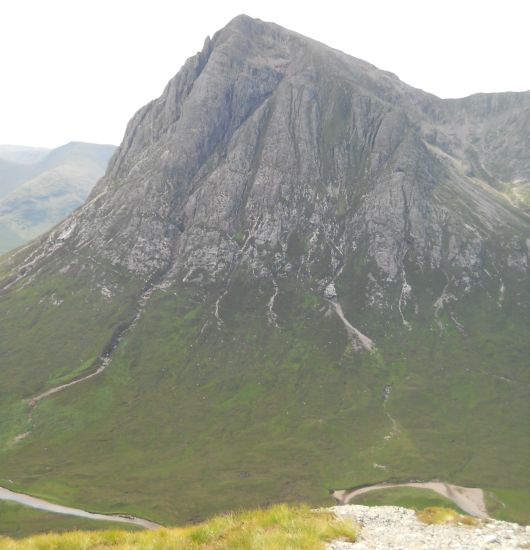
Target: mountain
[298, 273]
[35, 196]
[22, 154]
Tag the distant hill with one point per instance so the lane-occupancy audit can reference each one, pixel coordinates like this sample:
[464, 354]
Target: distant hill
[23, 154]
[34, 196]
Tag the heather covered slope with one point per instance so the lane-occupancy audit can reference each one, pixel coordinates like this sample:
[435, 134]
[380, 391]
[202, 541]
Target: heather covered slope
[305, 274]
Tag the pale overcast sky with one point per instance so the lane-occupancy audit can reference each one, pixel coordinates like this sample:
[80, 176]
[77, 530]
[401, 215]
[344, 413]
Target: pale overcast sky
[79, 69]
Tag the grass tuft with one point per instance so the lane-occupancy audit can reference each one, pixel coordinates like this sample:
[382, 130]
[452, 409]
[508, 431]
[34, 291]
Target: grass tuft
[273, 528]
[437, 515]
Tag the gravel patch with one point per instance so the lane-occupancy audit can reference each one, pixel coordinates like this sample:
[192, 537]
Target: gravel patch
[391, 527]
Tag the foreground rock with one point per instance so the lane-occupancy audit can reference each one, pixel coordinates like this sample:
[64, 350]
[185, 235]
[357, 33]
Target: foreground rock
[388, 527]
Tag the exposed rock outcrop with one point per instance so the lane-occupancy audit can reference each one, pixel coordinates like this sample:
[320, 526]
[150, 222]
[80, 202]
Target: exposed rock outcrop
[268, 146]
[391, 527]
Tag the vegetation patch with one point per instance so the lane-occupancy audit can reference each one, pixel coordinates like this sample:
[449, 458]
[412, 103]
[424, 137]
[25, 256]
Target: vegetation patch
[277, 527]
[437, 515]
[187, 423]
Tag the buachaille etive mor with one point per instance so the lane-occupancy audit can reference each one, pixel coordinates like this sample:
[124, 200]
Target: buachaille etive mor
[299, 273]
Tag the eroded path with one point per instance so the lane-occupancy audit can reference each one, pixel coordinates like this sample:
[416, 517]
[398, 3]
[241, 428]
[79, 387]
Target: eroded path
[101, 363]
[33, 502]
[104, 364]
[468, 499]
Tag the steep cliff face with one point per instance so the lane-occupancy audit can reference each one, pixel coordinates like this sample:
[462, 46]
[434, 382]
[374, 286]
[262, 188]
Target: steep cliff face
[266, 136]
[284, 236]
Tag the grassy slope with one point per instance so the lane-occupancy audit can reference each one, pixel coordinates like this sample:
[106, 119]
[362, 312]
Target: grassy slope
[20, 521]
[68, 320]
[270, 529]
[185, 425]
[510, 504]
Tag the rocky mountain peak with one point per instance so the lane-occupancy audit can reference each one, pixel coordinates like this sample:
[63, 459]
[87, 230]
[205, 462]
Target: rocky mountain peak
[275, 152]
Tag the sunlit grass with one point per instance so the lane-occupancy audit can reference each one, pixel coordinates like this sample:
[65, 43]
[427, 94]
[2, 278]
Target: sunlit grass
[275, 528]
[437, 514]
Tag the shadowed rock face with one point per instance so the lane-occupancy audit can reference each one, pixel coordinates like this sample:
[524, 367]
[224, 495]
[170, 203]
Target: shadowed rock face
[266, 136]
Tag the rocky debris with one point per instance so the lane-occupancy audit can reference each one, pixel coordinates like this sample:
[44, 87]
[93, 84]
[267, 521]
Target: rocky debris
[391, 527]
[330, 292]
[359, 340]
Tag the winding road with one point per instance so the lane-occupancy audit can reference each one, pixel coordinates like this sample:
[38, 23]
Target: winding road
[468, 499]
[26, 500]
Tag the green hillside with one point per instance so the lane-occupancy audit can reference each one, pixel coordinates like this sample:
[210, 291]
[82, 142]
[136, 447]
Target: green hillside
[282, 415]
